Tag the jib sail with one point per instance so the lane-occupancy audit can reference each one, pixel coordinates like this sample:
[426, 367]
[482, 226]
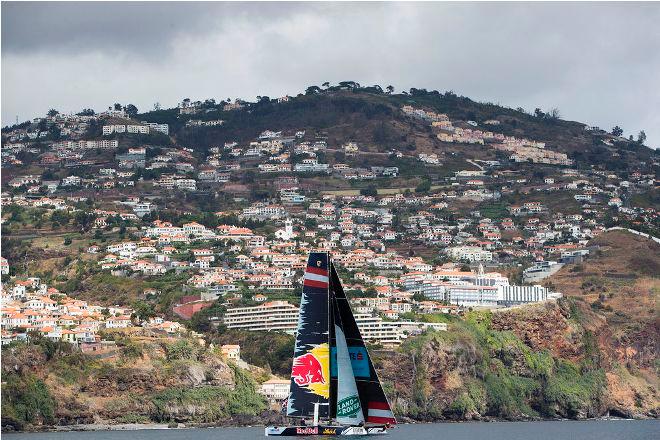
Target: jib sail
[310, 373]
[348, 409]
[373, 402]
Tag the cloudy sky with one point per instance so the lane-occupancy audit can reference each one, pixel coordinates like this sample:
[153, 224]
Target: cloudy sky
[599, 63]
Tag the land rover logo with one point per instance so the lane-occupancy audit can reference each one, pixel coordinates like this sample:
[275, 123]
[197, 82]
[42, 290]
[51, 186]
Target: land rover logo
[348, 407]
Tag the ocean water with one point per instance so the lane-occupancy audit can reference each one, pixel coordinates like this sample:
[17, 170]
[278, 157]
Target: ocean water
[551, 430]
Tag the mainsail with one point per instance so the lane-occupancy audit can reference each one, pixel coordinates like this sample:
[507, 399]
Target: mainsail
[310, 374]
[331, 365]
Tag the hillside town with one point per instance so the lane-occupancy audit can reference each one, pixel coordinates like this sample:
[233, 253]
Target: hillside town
[111, 171]
[420, 236]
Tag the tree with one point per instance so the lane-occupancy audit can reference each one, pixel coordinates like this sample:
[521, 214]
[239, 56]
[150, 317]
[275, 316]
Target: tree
[418, 92]
[369, 191]
[641, 137]
[52, 112]
[117, 106]
[390, 90]
[617, 131]
[312, 90]
[424, 186]
[554, 114]
[131, 110]
[349, 85]
[143, 310]
[325, 84]
[539, 113]
[419, 296]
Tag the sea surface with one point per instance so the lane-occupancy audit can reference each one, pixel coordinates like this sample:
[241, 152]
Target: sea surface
[554, 430]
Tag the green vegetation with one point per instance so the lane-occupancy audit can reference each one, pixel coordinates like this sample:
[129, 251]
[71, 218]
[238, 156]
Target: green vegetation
[500, 375]
[26, 400]
[212, 403]
[648, 199]
[430, 317]
[182, 381]
[494, 211]
[270, 350]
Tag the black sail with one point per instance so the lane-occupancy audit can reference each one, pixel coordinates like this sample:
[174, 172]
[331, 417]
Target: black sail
[310, 373]
[374, 403]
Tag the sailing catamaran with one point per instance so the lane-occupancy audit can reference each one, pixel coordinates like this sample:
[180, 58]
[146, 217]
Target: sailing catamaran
[333, 380]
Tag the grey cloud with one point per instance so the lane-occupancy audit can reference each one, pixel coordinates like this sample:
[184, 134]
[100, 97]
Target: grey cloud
[131, 27]
[597, 62]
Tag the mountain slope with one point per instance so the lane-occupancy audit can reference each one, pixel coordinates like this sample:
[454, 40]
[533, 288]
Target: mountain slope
[374, 119]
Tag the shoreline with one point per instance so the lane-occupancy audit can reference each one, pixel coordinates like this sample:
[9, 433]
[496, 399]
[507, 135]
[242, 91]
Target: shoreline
[98, 427]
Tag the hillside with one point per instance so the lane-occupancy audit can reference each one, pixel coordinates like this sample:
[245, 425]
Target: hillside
[538, 362]
[374, 119]
[219, 205]
[590, 354]
[143, 380]
[618, 287]
[542, 361]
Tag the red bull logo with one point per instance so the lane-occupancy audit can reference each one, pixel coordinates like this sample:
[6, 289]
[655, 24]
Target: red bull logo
[307, 370]
[312, 370]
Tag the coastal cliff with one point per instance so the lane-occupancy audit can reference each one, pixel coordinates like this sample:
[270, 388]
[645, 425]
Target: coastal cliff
[538, 362]
[168, 381]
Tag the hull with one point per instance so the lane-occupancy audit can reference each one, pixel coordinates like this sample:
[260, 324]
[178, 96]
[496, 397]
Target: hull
[295, 431]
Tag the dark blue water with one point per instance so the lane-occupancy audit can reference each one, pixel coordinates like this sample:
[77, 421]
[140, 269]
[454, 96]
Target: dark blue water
[559, 430]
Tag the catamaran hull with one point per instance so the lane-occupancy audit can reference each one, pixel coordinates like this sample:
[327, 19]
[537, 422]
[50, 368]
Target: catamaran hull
[293, 431]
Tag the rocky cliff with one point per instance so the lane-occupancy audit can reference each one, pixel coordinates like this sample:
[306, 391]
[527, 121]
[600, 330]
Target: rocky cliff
[167, 381]
[537, 362]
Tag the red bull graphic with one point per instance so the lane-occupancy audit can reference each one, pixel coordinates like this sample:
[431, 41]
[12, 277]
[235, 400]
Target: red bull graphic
[307, 370]
[312, 370]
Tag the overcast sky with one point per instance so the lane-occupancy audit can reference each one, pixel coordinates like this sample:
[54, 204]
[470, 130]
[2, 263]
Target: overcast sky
[599, 63]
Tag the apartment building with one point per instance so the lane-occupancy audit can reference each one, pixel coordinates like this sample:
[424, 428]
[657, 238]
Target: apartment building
[270, 316]
[276, 389]
[470, 253]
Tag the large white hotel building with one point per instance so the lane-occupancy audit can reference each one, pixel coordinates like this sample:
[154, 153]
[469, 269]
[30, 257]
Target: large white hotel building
[271, 316]
[283, 316]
